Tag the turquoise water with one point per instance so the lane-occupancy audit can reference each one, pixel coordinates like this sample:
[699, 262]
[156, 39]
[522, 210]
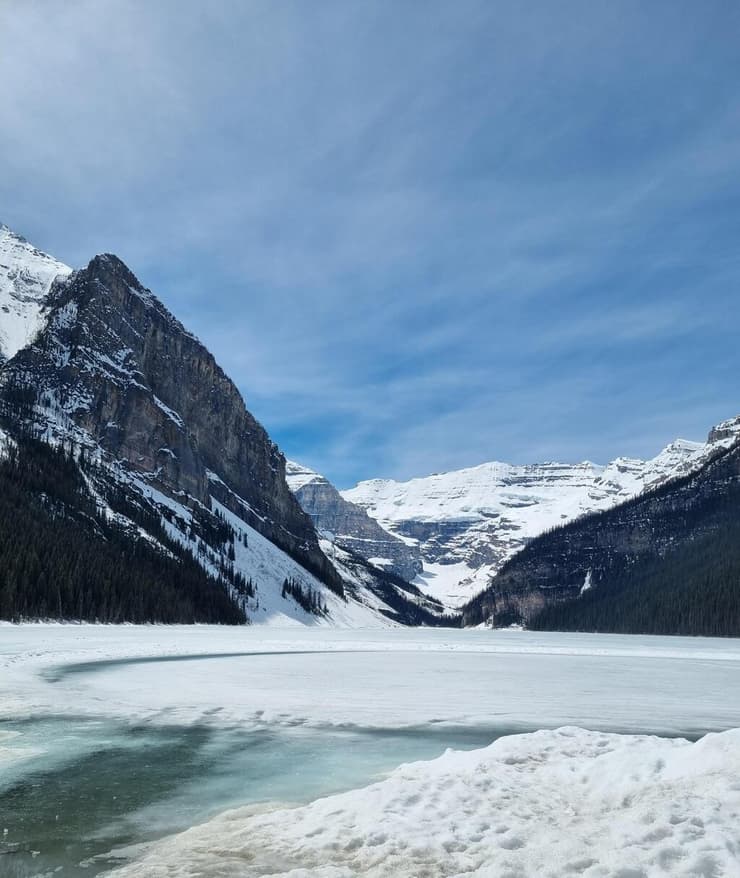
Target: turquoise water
[100, 786]
[93, 788]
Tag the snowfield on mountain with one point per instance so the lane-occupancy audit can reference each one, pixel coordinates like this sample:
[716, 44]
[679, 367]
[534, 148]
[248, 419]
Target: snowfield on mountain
[26, 276]
[467, 523]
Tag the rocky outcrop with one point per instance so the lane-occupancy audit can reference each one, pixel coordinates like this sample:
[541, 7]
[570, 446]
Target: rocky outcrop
[595, 551]
[726, 430]
[112, 363]
[350, 526]
[470, 522]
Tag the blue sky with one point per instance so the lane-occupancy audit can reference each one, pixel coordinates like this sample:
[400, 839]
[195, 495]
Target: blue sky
[418, 235]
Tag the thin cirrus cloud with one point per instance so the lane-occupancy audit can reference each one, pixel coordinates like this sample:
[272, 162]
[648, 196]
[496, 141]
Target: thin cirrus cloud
[418, 236]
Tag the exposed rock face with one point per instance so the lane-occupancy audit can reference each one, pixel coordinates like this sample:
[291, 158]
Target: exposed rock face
[350, 525]
[115, 364]
[470, 522]
[729, 429]
[583, 555]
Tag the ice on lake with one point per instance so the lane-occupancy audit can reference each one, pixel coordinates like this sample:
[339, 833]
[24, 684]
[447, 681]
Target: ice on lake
[112, 737]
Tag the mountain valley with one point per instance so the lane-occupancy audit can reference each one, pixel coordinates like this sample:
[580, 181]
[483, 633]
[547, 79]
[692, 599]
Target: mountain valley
[157, 453]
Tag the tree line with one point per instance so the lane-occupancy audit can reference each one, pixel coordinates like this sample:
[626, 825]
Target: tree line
[62, 557]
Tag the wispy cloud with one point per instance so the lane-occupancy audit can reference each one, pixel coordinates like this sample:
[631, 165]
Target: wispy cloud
[417, 235]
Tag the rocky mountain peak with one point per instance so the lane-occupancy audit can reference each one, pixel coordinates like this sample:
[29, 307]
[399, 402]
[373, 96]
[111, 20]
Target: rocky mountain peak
[726, 430]
[468, 523]
[349, 525]
[113, 364]
[163, 452]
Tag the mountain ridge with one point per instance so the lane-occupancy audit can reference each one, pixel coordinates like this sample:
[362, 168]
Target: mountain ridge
[665, 561]
[467, 523]
[110, 374]
[349, 524]
[93, 362]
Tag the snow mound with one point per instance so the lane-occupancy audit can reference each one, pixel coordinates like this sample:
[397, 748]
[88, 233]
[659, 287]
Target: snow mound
[553, 803]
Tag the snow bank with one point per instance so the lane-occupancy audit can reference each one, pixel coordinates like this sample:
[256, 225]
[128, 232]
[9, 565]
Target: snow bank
[557, 803]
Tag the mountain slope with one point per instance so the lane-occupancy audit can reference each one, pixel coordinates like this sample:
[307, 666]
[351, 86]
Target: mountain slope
[665, 562]
[351, 527]
[113, 363]
[26, 275]
[178, 461]
[693, 589]
[63, 556]
[469, 522]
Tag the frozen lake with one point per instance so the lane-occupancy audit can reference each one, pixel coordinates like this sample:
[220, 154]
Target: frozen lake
[113, 737]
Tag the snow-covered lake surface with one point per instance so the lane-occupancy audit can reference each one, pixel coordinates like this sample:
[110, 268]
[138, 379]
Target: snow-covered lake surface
[112, 737]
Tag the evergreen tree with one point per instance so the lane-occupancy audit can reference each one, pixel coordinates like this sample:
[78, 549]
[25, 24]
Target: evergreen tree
[62, 557]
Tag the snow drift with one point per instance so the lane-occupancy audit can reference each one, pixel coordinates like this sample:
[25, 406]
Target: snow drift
[550, 803]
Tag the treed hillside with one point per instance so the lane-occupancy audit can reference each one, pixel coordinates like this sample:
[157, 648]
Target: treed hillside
[694, 590]
[666, 562]
[61, 557]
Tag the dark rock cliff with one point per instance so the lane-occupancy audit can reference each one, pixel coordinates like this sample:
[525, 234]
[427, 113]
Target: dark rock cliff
[113, 362]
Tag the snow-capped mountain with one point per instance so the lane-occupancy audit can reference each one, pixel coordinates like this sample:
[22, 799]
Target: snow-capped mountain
[467, 523]
[665, 562]
[96, 364]
[349, 525]
[92, 361]
[26, 276]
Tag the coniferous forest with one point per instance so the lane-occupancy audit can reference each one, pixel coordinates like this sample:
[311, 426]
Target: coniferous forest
[62, 558]
[664, 562]
[687, 581]
[693, 590]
